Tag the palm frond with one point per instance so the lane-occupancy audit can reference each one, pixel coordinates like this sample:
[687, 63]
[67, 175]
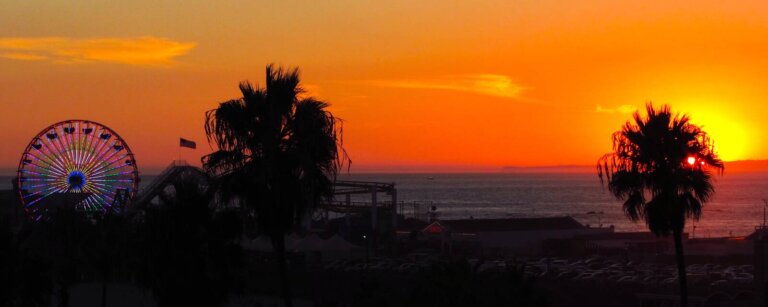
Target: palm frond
[276, 153]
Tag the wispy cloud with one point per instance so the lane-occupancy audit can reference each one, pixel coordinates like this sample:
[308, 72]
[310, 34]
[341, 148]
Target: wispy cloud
[622, 109]
[484, 84]
[23, 56]
[146, 50]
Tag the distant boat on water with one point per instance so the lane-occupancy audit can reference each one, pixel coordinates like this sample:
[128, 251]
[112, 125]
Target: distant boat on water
[430, 178]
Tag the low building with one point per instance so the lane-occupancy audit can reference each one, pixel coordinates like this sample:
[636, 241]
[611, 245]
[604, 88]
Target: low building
[524, 236]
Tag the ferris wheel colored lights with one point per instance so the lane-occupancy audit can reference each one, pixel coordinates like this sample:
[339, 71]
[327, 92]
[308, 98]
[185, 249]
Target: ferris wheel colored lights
[76, 156]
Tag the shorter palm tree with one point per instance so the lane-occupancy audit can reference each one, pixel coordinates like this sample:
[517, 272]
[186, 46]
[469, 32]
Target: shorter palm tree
[660, 168]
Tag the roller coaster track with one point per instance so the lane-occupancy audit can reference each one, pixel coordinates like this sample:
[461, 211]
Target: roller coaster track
[175, 169]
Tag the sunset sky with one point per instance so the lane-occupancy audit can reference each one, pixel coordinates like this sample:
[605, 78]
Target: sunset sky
[421, 85]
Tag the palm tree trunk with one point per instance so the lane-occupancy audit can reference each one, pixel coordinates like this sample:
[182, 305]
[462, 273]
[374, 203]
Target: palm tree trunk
[278, 243]
[104, 284]
[63, 296]
[104, 293]
[682, 277]
[105, 265]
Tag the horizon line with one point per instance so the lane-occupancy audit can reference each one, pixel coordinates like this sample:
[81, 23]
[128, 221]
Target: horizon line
[430, 169]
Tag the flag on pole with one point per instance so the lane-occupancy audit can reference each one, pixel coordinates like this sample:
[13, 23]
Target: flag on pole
[187, 143]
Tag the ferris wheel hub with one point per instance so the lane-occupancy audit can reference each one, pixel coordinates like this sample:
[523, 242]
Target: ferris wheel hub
[76, 180]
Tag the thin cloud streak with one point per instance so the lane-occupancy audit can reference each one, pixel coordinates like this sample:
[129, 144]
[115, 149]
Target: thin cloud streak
[622, 109]
[483, 84]
[142, 51]
[23, 56]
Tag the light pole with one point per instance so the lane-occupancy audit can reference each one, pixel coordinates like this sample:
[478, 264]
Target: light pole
[365, 239]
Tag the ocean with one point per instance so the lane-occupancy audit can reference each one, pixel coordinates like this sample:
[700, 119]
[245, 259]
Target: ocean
[736, 209]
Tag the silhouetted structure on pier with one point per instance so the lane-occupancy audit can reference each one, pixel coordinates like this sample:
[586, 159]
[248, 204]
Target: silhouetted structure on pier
[349, 188]
[176, 169]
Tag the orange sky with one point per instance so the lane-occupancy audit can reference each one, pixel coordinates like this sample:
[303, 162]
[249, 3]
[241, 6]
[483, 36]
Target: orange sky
[422, 85]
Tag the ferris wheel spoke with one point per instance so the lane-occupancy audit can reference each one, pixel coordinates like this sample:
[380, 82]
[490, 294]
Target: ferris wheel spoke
[68, 143]
[34, 179]
[52, 171]
[93, 158]
[55, 190]
[96, 156]
[91, 146]
[100, 203]
[73, 149]
[40, 185]
[102, 192]
[52, 152]
[38, 173]
[82, 144]
[108, 163]
[114, 180]
[104, 195]
[52, 159]
[51, 166]
[58, 153]
[78, 143]
[91, 203]
[66, 155]
[47, 167]
[111, 171]
[66, 146]
[32, 176]
[101, 156]
[103, 186]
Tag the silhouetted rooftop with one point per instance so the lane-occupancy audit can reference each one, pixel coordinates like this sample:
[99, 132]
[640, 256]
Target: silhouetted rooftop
[641, 235]
[515, 224]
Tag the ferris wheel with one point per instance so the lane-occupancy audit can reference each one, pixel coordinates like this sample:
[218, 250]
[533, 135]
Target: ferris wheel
[77, 158]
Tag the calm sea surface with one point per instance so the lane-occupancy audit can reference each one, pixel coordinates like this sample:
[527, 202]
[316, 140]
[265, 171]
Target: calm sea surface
[735, 210]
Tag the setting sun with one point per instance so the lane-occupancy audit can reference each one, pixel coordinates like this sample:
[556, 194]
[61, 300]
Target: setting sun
[731, 137]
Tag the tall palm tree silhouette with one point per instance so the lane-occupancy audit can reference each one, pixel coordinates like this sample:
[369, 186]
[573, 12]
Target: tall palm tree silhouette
[660, 167]
[278, 154]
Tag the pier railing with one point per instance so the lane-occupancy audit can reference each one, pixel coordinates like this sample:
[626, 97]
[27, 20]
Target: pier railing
[408, 209]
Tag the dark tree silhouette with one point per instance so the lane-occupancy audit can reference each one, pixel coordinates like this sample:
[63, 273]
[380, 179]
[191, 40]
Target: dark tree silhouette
[278, 154]
[60, 243]
[9, 259]
[184, 251]
[61, 249]
[660, 167]
[107, 239]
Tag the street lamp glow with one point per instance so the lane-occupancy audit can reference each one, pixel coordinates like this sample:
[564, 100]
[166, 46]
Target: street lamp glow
[691, 160]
